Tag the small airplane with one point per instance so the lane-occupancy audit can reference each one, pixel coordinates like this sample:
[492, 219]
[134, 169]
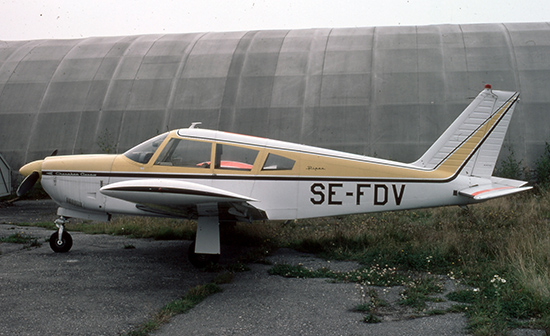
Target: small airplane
[218, 177]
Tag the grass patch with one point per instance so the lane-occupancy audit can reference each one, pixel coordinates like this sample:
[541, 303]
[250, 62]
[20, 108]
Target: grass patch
[374, 275]
[464, 296]
[370, 305]
[371, 318]
[181, 306]
[419, 290]
[16, 238]
[457, 308]
[298, 271]
[19, 238]
[363, 308]
[141, 227]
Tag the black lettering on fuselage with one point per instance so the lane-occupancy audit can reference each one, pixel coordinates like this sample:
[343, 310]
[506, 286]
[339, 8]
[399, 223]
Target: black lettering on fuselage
[380, 194]
[360, 193]
[398, 195]
[340, 193]
[317, 190]
[331, 193]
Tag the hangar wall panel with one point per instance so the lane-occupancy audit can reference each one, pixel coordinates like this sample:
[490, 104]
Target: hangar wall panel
[384, 91]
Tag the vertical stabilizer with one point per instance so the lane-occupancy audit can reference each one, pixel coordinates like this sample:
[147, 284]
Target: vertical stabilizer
[481, 126]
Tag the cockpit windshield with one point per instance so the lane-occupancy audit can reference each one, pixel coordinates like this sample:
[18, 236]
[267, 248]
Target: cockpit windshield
[143, 152]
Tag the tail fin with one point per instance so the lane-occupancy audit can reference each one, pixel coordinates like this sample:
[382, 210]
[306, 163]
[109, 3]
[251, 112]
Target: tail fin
[478, 133]
[470, 146]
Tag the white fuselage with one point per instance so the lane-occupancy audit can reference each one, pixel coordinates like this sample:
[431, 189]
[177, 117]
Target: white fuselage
[280, 198]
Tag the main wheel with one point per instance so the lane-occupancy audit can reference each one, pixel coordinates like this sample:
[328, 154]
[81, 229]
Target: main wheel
[201, 260]
[61, 246]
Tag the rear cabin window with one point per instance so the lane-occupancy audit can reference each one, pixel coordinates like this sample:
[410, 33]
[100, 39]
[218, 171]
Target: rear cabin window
[234, 158]
[185, 153]
[277, 162]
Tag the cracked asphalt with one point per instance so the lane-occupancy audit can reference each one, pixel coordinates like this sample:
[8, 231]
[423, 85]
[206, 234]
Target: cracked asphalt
[103, 287]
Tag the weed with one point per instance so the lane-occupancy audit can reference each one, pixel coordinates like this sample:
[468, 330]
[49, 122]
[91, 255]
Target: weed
[542, 168]
[458, 309]
[363, 307]
[510, 167]
[370, 304]
[299, 271]
[418, 291]
[19, 238]
[371, 276]
[371, 318]
[35, 243]
[16, 238]
[464, 296]
[193, 297]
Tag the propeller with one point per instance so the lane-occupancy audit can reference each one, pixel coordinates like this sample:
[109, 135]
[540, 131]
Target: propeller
[28, 183]
[32, 171]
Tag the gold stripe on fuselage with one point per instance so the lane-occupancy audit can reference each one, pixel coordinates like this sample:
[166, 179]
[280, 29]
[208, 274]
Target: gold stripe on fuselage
[308, 163]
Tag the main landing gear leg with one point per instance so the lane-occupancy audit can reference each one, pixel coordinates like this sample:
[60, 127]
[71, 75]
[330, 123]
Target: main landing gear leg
[205, 250]
[61, 241]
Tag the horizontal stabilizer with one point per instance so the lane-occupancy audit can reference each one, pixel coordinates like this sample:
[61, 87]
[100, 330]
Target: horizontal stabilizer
[499, 187]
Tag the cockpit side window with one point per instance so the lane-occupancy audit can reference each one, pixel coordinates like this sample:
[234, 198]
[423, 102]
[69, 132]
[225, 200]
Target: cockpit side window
[234, 157]
[277, 162]
[185, 153]
[143, 152]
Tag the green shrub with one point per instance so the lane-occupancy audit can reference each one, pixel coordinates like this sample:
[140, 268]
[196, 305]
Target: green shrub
[542, 168]
[510, 167]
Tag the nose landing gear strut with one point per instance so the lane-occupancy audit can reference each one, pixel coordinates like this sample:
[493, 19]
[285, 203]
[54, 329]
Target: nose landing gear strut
[61, 241]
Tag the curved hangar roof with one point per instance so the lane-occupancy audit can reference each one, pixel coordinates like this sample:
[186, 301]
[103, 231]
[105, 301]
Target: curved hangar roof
[383, 91]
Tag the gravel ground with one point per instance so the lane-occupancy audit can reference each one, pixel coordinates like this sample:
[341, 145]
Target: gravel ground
[256, 303]
[103, 287]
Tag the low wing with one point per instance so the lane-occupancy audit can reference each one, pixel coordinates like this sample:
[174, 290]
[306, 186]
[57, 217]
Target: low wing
[183, 199]
[496, 188]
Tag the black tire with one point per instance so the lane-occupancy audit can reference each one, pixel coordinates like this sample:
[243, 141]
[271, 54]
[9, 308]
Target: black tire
[201, 260]
[64, 246]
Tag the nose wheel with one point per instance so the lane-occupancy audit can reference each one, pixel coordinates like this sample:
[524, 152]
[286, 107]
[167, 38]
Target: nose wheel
[61, 241]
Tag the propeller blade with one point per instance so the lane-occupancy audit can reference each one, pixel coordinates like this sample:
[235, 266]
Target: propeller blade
[28, 183]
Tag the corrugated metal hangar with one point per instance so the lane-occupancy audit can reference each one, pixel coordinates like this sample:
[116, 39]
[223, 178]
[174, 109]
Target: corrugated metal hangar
[382, 91]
